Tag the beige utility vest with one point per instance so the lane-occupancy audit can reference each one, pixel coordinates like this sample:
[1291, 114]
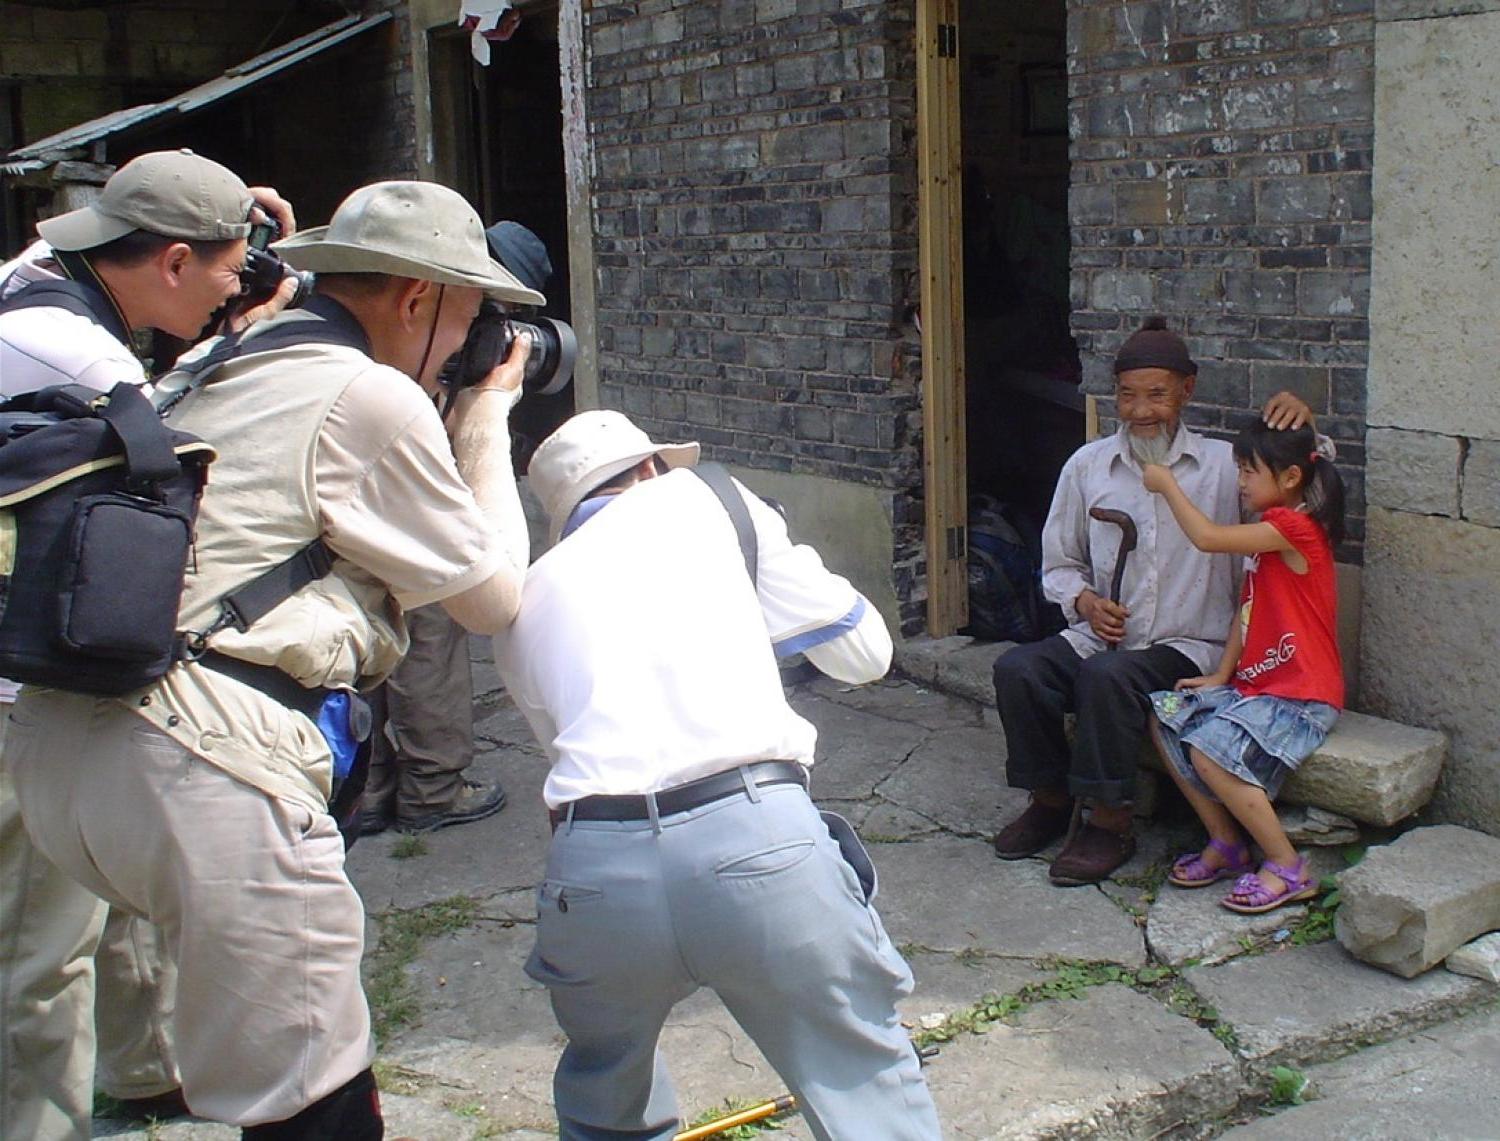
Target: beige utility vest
[263, 413]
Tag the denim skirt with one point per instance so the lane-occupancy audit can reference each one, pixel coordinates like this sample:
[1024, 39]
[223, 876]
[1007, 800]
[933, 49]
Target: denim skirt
[1260, 739]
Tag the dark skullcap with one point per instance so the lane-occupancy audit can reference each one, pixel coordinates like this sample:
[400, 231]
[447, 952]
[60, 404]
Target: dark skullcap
[522, 252]
[1154, 346]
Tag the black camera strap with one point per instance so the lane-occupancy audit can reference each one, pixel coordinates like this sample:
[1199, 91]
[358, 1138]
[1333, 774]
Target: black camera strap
[722, 485]
[322, 321]
[85, 298]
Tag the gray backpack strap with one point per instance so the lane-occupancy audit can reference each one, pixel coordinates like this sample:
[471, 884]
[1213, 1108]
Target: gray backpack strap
[720, 483]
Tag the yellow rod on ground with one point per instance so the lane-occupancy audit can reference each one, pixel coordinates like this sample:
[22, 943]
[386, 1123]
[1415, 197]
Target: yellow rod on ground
[783, 1104]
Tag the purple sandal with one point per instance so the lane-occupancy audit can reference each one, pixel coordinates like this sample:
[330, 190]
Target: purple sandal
[1251, 896]
[1192, 870]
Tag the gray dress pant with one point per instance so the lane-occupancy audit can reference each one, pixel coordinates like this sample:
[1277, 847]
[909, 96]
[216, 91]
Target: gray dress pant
[760, 898]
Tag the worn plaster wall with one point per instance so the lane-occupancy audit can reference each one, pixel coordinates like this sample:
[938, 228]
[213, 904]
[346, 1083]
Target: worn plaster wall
[1432, 570]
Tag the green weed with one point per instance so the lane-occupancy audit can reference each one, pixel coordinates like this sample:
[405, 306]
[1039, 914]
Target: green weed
[408, 847]
[393, 1004]
[739, 1132]
[1288, 1086]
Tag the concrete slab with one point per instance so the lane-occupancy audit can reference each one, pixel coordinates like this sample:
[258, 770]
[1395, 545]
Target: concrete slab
[1440, 1083]
[902, 699]
[948, 894]
[950, 983]
[1190, 926]
[958, 664]
[956, 778]
[1300, 1003]
[488, 858]
[1111, 1064]
[856, 750]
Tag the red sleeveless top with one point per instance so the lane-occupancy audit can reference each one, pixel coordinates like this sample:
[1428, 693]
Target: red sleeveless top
[1289, 620]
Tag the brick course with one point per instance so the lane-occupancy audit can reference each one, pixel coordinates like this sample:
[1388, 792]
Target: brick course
[755, 237]
[1221, 158]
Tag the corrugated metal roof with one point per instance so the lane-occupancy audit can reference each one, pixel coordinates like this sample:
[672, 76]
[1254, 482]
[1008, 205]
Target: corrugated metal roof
[44, 152]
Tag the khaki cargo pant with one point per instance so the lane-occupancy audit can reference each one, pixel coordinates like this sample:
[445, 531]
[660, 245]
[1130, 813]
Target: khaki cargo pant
[420, 752]
[249, 893]
[49, 1004]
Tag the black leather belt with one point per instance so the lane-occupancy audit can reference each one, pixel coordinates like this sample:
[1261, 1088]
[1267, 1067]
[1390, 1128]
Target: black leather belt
[683, 797]
[274, 683]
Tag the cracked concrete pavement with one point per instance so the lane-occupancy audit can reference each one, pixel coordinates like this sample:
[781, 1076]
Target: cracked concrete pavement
[1141, 1011]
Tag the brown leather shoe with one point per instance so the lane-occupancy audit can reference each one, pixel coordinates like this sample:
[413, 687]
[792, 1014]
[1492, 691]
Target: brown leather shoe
[1091, 855]
[1033, 830]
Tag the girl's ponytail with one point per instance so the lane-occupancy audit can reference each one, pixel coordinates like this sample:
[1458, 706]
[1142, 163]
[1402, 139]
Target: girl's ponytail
[1323, 496]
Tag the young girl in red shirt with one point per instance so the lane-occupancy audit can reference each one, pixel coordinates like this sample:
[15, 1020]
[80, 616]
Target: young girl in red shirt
[1230, 739]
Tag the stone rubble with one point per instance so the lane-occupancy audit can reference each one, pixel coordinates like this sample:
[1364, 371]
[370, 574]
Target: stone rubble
[1411, 903]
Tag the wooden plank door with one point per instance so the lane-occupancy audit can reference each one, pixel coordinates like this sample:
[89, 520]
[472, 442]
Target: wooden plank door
[940, 205]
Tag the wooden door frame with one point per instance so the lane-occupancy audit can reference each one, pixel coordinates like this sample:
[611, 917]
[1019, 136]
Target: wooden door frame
[940, 214]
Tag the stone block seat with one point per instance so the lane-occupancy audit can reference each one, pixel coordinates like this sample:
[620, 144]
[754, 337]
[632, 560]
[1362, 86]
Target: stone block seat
[1374, 771]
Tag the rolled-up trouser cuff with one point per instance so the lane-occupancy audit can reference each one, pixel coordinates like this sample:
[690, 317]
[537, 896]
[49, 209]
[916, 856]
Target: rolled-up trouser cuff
[1109, 793]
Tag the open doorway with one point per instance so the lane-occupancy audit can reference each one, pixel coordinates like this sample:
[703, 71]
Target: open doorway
[497, 135]
[1024, 409]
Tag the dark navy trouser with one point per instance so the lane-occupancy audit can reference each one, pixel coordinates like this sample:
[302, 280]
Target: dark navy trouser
[1038, 683]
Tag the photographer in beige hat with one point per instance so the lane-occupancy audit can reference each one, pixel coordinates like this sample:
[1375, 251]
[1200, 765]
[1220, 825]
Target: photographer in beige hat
[326, 429]
[161, 250]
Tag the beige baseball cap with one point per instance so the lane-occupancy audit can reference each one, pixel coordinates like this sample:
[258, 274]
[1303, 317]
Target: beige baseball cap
[173, 193]
[589, 449]
[408, 229]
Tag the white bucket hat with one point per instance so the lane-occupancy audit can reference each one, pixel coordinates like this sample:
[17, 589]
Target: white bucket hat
[589, 449]
[407, 229]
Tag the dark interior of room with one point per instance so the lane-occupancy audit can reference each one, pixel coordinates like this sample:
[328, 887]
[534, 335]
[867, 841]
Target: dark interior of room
[1024, 408]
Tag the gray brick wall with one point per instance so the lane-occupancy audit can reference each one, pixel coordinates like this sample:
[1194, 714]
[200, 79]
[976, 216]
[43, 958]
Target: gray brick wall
[1221, 175]
[755, 233]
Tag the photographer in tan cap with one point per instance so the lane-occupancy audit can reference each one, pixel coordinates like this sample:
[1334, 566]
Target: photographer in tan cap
[161, 249]
[203, 802]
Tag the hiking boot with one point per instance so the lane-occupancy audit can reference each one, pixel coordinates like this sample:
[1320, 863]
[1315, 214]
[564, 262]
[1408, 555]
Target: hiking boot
[157, 1107]
[373, 821]
[475, 801]
[1091, 855]
[1033, 830]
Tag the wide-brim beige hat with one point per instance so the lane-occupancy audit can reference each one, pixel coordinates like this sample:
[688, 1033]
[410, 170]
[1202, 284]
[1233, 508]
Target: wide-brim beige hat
[408, 229]
[176, 194]
[589, 449]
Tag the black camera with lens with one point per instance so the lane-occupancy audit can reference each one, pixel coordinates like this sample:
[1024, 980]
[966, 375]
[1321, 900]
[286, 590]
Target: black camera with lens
[549, 364]
[265, 270]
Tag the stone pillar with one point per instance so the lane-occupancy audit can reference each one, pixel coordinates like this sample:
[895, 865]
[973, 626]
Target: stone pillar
[1432, 554]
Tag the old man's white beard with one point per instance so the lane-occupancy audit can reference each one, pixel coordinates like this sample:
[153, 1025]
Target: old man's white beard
[1153, 449]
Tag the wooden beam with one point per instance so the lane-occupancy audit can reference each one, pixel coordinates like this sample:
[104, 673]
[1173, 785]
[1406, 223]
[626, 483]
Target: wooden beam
[940, 207]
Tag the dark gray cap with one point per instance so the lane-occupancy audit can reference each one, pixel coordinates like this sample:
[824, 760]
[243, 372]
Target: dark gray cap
[522, 252]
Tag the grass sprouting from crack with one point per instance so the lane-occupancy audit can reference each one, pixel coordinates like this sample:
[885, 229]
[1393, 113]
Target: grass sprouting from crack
[1070, 979]
[408, 846]
[393, 1003]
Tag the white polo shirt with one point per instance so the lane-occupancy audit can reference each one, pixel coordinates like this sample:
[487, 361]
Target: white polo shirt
[44, 346]
[643, 657]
